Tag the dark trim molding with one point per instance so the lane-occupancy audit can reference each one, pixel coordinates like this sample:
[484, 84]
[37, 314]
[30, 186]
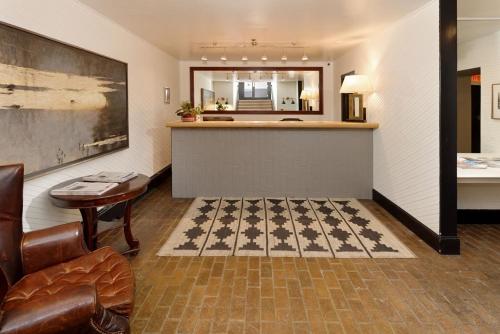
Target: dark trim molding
[118, 210]
[442, 244]
[448, 126]
[478, 217]
[259, 68]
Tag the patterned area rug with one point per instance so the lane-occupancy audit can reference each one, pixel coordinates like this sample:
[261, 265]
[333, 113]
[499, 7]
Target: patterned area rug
[296, 227]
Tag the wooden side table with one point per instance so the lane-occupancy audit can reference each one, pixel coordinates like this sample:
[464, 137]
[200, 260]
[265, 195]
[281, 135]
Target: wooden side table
[125, 192]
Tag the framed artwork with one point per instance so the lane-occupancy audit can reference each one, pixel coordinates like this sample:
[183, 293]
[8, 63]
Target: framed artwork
[166, 97]
[495, 103]
[59, 104]
[207, 98]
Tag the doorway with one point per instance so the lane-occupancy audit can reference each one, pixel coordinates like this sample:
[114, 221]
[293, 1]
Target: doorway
[469, 111]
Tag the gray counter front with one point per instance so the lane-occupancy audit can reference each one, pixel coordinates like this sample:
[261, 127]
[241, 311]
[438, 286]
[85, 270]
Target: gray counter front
[272, 161]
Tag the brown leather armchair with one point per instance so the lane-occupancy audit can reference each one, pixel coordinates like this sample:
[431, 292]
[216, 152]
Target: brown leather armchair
[50, 282]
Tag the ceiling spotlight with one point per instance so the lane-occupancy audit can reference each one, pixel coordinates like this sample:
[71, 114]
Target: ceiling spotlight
[264, 58]
[244, 58]
[223, 57]
[204, 58]
[304, 57]
[284, 58]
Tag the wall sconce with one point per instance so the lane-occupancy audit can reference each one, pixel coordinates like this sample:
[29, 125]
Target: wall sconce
[356, 86]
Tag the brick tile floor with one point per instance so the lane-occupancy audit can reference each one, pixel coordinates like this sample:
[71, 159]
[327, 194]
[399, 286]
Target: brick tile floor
[430, 294]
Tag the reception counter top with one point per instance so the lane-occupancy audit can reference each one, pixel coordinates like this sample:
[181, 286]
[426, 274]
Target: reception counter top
[273, 124]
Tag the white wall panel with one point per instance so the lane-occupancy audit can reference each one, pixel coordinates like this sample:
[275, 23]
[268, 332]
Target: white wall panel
[149, 70]
[403, 64]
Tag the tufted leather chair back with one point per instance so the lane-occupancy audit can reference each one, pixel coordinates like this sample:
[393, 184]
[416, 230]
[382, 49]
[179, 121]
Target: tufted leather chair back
[11, 210]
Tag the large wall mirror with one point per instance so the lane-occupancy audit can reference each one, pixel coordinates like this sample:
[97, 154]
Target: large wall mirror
[258, 90]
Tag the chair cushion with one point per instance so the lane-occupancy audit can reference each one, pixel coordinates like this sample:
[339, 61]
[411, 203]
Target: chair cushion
[109, 271]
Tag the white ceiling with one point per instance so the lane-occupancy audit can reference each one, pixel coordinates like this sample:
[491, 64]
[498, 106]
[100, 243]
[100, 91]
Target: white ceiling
[327, 27]
[469, 30]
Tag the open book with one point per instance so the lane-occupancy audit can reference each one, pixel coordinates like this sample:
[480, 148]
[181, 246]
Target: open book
[115, 177]
[84, 188]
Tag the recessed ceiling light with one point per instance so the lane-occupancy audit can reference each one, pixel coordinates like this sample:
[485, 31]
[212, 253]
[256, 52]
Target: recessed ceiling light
[305, 57]
[244, 58]
[204, 58]
[264, 58]
[223, 58]
[284, 58]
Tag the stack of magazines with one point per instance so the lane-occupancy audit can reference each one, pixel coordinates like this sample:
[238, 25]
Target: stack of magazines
[95, 185]
[84, 189]
[113, 177]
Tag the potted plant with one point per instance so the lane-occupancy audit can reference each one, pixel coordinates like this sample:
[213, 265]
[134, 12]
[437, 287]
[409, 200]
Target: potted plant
[187, 112]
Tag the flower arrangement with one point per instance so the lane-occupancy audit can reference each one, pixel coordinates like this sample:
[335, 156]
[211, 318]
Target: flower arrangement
[187, 112]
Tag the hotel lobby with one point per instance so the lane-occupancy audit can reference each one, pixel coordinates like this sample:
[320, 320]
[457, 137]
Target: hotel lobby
[249, 167]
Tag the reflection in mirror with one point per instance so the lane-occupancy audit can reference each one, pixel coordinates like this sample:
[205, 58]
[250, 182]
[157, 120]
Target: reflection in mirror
[478, 85]
[257, 90]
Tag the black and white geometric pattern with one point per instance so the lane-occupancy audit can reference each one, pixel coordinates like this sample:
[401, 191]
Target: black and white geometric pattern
[252, 233]
[345, 244]
[310, 235]
[378, 240]
[282, 227]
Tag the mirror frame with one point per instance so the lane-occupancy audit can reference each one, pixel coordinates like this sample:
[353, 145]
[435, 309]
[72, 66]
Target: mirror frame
[261, 68]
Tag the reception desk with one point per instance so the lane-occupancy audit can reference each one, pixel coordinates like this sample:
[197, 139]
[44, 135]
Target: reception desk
[272, 158]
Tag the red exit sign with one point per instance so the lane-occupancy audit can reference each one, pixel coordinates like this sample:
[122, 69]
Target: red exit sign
[476, 78]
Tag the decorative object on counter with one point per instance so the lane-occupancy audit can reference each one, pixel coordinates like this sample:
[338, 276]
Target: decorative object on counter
[495, 103]
[166, 96]
[356, 86]
[218, 119]
[291, 119]
[124, 192]
[188, 113]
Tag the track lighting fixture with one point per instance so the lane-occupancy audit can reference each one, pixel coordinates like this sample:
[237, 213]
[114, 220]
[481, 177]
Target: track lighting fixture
[253, 45]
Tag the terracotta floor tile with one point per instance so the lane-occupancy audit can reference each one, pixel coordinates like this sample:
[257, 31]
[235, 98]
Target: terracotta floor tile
[428, 294]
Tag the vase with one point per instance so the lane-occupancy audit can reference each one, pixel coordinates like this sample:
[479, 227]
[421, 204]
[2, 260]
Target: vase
[188, 118]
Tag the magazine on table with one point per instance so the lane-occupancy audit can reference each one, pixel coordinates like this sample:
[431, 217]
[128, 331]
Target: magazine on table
[114, 177]
[84, 189]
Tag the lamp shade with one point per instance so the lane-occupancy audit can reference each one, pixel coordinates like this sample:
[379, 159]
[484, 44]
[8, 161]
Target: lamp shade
[356, 84]
[305, 94]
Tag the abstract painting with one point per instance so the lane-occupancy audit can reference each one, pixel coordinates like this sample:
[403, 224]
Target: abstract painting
[59, 104]
[207, 98]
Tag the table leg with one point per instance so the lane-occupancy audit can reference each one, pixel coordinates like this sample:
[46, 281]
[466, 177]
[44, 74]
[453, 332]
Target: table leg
[89, 216]
[132, 242]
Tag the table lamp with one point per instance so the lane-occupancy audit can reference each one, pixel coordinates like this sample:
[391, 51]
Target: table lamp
[305, 96]
[355, 86]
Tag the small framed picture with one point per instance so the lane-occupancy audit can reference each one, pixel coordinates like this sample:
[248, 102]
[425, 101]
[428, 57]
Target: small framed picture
[495, 101]
[167, 95]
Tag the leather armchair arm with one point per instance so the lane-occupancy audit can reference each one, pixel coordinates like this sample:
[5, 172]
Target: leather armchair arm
[68, 309]
[44, 248]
